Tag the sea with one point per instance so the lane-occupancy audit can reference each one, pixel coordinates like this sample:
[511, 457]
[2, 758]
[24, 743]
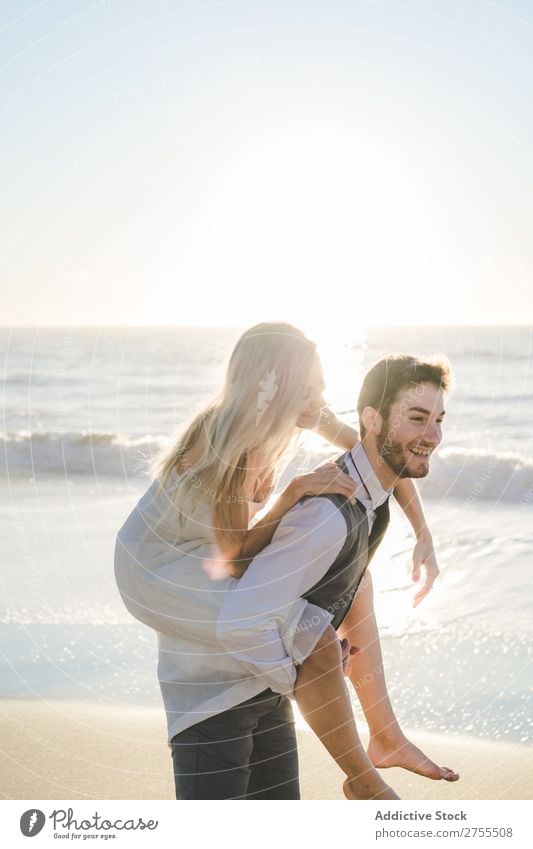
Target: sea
[85, 408]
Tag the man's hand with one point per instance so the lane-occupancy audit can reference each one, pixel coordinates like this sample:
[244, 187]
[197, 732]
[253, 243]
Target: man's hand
[424, 556]
[347, 651]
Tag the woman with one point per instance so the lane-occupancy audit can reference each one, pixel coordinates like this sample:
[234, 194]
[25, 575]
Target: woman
[189, 538]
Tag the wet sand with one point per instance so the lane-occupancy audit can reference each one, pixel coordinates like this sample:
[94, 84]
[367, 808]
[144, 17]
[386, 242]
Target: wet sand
[66, 749]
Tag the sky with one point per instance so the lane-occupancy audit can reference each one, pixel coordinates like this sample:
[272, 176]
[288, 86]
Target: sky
[221, 163]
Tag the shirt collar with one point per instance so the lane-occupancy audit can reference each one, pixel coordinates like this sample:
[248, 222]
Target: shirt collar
[371, 481]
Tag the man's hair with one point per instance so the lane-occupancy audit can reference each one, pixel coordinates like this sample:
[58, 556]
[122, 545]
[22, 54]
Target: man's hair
[392, 374]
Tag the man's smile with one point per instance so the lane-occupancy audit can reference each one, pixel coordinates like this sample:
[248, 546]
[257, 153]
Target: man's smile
[421, 452]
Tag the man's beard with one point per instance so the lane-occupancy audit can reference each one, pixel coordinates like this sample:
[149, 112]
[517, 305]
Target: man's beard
[396, 456]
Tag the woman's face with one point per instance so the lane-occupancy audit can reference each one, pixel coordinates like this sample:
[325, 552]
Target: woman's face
[313, 400]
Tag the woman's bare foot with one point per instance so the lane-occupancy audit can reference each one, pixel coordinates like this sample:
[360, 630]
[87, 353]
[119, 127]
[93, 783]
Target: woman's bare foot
[400, 752]
[359, 789]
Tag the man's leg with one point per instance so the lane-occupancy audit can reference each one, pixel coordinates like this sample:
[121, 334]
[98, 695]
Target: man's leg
[274, 758]
[211, 758]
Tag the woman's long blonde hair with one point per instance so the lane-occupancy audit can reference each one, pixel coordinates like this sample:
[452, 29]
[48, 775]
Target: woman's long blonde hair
[256, 410]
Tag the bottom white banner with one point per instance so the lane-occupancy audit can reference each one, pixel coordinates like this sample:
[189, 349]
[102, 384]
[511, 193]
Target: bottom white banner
[256, 824]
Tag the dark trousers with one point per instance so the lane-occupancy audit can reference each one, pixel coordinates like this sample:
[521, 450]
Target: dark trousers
[247, 752]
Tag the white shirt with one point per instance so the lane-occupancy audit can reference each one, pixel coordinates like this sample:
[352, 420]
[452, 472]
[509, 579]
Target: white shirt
[223, 641]
[306, 543]
[369, 491]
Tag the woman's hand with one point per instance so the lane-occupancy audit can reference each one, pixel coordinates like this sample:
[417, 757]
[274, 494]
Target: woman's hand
[424, 556]
[326, 478]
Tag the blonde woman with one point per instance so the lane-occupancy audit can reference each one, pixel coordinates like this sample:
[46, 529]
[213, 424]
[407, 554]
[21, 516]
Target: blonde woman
[182, 550]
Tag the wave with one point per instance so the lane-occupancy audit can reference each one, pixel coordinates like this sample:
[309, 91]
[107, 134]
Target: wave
[472, 475]
[88, 452]
[480, 475]
[458, 473]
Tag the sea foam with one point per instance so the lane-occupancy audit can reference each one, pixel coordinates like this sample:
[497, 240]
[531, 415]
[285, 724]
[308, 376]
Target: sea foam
[471, 474]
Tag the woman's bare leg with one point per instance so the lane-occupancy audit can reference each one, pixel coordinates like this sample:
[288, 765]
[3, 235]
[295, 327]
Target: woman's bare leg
[388, 745]
[323, 699]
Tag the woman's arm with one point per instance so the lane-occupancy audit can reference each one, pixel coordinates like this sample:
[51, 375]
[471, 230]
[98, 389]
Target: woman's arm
[260, 535]
[337, 432]
[326, 478]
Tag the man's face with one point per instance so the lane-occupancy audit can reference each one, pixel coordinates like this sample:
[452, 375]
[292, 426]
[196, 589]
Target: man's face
[412, 431]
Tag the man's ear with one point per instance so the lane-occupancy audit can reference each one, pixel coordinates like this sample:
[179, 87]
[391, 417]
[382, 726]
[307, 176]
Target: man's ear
[372, 420]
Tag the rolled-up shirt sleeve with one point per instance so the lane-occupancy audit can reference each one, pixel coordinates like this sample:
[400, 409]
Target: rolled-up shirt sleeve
[264, 621]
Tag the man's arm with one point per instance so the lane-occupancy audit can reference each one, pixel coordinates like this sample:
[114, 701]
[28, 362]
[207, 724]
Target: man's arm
[264, 611]
[407, 496]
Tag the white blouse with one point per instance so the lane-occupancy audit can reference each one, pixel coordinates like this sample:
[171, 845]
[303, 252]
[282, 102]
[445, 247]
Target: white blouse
[169, 577]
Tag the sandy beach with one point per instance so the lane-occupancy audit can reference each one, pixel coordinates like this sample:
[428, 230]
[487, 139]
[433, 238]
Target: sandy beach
[65, 749]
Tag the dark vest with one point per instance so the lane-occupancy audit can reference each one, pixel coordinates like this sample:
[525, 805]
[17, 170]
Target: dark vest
[335, 591]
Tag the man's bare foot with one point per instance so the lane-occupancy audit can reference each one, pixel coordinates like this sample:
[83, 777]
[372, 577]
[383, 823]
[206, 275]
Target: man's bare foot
[402, 753]
[357, 789]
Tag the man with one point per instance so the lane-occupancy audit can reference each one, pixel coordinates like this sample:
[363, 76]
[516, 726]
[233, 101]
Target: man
[319, 552]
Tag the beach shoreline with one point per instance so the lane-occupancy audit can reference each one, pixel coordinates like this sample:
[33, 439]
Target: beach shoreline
[75, 749]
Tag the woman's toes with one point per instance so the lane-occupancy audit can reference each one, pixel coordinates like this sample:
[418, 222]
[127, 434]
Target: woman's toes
[450, 774]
